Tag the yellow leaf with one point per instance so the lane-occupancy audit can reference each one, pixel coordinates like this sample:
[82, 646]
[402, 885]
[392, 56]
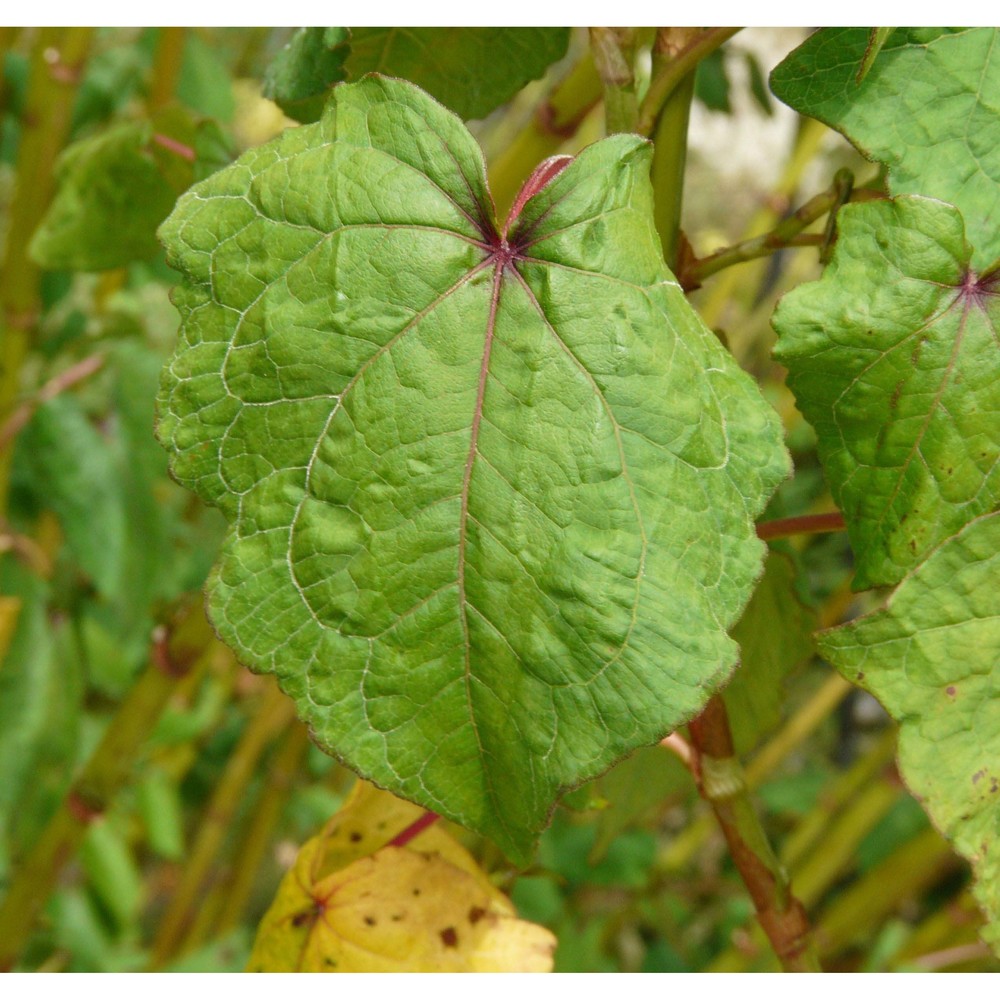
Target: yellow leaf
[352, 904]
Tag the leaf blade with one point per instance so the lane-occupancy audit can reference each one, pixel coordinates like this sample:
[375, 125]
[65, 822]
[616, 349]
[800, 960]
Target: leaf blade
[438, 499]
[930, 657]
[892, 358]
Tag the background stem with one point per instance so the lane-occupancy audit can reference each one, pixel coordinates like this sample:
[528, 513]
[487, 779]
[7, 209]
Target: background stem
[723, 784]
[89, 796]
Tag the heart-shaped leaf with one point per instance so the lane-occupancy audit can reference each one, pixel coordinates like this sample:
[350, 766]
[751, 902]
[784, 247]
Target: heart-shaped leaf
[492, 493]
[893, 358]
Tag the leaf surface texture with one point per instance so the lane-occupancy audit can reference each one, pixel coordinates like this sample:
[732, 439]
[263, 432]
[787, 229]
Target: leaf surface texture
[931, 657]
[492, 494]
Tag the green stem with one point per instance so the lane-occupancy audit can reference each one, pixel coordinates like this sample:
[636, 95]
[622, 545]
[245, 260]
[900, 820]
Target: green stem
[785, 234]
[811, 833]
[905, 874]
[614, 50]
[89, 796]
[56, 62]
[724, 290]
[166, 67]
[722, 784]
[798, 729]
[671, 74]
[273, 714]
[234, 896]
[805, 524]
[667, 174]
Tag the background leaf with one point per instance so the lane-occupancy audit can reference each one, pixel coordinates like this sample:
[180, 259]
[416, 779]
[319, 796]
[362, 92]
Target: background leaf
[355, 903]
[931, 658]
[768, 653]
[117, 187]
[74, 470]
[927, 107]
[472, 71]
[892, 357]
[511, 498]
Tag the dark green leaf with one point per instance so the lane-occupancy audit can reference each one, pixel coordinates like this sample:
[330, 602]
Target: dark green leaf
[927, 107]
[711, 82]
[893, 358]
[470, 70]
[300, 77]
[492, 508]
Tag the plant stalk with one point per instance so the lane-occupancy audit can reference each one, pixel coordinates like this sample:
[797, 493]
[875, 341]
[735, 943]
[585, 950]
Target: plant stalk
[722, 784]
[57, 59]
[805, 524]
[274, 713]
[788, 232]
[614, 52]
[669, 75]
[166, 67]
[234, 896]
[89, 796]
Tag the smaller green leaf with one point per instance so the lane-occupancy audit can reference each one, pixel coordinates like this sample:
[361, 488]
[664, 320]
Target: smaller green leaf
[711, 82]
[892, 358]
[931, 657]
[768, 654]
[117, 187]
[112, 871]
[75, 476]
[162, 813]
[927, 107]
[301, 74]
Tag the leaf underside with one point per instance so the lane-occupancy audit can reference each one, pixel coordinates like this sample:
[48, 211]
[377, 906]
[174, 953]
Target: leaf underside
[927, 106]
[491, 495]
[931, 657]
[893, 358]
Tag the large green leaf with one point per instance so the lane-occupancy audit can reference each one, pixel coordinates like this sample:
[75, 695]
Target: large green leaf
[470, 70]
[932, 657]
[492, 496]
[927, 106]
[893, 359]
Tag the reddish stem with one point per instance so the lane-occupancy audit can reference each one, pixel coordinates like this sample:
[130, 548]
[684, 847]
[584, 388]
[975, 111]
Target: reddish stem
[414, 829]
[182, 150]
[806, 524]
